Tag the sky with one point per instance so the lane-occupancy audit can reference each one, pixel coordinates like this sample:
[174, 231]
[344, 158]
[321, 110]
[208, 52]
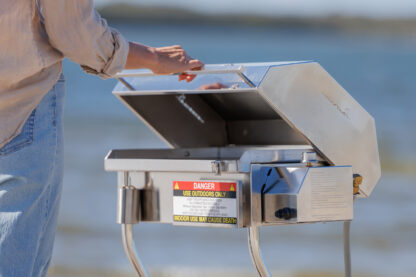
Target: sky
[371, 8]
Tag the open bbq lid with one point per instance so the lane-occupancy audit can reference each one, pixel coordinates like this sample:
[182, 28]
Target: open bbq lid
[262, 104]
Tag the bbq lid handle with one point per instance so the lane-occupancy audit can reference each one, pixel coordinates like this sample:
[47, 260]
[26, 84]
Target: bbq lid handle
[148, 73]
[239, 70]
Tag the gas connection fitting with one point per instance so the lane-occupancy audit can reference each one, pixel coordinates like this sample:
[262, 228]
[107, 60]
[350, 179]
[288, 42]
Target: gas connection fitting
[357, 181]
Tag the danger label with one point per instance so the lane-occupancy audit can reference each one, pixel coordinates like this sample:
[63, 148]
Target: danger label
[207, 202]
[207, 186]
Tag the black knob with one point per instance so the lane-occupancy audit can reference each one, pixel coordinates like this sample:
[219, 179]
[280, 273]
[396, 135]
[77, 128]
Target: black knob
[286, 213]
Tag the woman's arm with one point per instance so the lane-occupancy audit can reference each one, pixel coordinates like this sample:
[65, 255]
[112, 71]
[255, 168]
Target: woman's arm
[76, 30]
[163, 60]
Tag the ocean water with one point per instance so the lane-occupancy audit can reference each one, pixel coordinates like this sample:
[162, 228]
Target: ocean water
[377, 70]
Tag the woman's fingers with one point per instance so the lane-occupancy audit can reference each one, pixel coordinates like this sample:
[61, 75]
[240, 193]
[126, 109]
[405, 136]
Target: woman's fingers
[170, 48]
[192, 64]
[212, 86]
[196, 64]
[173, 59]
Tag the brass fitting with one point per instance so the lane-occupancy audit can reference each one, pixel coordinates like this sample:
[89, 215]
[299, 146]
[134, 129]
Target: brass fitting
[357, 181]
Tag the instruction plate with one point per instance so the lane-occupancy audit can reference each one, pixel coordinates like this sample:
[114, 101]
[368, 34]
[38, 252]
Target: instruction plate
[212, 203]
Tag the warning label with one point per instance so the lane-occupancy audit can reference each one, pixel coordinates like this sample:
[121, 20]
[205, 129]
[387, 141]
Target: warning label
[208, 202]
[199, 193]
[206, 185]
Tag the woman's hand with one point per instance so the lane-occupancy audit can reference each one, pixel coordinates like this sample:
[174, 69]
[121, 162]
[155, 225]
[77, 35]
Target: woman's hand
[162, 60]
[212, 86]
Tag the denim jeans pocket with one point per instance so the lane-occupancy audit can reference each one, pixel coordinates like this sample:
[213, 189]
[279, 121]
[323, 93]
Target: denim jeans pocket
[25, 138]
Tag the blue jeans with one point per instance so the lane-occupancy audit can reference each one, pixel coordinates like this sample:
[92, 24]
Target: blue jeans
[31, 170]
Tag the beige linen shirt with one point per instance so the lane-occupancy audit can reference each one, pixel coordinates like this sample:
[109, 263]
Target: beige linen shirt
[35, 35]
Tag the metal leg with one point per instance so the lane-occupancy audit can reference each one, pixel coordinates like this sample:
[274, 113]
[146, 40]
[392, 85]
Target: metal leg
[347, 249]
[130, 249]
[255, 253]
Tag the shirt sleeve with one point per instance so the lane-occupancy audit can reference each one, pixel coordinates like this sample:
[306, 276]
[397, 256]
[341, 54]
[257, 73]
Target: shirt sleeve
[76, 30]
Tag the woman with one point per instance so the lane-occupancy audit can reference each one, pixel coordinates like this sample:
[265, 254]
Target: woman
[35, 37]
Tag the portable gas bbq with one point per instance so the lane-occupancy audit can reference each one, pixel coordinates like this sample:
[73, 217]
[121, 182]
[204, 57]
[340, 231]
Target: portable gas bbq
[251, 145]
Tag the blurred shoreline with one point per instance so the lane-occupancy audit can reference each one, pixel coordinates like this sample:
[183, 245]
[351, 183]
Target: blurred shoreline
[167, 14]
[393, 164]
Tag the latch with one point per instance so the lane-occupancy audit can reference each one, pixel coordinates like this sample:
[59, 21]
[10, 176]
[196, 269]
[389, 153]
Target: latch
[217, 167]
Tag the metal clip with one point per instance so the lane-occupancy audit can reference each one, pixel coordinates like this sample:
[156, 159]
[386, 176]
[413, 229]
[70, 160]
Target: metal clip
[308, 158]
[217, 167]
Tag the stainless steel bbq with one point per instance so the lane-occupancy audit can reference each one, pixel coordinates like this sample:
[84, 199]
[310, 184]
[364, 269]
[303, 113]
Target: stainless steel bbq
[248, 145]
